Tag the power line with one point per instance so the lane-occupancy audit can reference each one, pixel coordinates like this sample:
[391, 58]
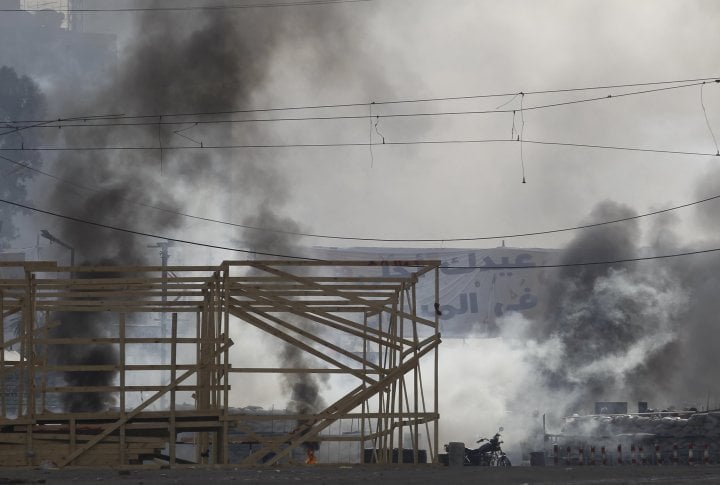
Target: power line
[72, 122]
[196, 7]
[372, 239]
[363, 116]
[686, 83]
[146, 234]
[42, 123]
[524, 234]
[212, 246]
[358, 144]
[553, 91]
[150, 206]
[621, 148]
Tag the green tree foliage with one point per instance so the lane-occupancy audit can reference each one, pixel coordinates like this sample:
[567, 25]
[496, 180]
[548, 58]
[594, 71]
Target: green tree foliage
[20, 100]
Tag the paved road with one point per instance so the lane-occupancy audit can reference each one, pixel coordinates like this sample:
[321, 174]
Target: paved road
[371, 474]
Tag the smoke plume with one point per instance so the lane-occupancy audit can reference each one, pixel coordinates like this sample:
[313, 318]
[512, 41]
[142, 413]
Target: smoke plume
[208, 62]
[302, 389]
[609, 322]
[629, 332]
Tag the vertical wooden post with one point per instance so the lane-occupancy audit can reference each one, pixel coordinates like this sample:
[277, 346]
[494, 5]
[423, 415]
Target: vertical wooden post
[416, 374]
[204, 373]
[3, 368]
[173, 378]
[401, 381]
[226, 363]
[199, 318]
[363, 408]
[21, 371]
[436, 384]
[123, 404]
[44, 357]
[28, 359]
[73, 436]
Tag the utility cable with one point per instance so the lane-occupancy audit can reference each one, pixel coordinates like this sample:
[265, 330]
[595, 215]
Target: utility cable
[361, 144]
[685, 83]
[371, 239]
[338, 117]
[196, 7]
[41, 124]
[248, 251]
[146, 234]
[375, 239]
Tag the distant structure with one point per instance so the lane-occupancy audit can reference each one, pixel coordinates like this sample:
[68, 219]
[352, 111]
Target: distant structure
[75, 20]
[53, 44]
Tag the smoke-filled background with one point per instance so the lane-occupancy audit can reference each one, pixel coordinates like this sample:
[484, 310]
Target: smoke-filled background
[640, 331]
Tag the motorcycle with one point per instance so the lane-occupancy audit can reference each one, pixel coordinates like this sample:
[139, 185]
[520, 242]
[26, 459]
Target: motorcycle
[488, 454]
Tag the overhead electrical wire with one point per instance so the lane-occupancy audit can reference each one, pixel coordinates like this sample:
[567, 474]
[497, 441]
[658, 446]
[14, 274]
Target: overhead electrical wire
[357, 117]
[146, 234]
[249, 251]
[64, 122]
[301, 3]
[358, 144]
[373, 239]
[40, 124]
[698, 81]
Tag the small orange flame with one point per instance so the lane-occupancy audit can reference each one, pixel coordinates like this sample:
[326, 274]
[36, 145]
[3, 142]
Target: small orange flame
[310, 457]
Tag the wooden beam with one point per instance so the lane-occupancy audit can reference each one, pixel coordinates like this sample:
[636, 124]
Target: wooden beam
[130, 415]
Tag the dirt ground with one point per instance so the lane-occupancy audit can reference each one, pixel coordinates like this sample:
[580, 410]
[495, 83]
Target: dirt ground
[373, 474]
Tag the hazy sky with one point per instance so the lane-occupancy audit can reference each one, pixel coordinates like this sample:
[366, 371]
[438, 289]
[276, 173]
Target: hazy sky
[403, 49]
[409, 49]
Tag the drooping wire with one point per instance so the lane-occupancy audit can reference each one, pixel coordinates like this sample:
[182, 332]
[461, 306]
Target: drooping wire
[371, 239]
[146, 234]
[508, 102]
[362, 144]
[288, 256]
[707, 121]
[693, 82]
[180, 134]
[370, 127]
[377, 120]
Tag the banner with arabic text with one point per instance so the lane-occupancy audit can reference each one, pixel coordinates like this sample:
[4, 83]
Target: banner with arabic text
[477, 286]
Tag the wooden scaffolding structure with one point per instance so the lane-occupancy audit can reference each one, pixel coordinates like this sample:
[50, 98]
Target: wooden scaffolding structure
[355, 319]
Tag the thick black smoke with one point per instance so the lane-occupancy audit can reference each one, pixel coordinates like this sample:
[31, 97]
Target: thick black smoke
[610, 323]
[210, 61]
[76, 402]
[303, 389]
[632, 331]
[305, 397]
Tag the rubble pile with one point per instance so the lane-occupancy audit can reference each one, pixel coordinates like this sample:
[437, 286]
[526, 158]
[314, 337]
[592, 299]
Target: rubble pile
[680, 426]
[668, 434]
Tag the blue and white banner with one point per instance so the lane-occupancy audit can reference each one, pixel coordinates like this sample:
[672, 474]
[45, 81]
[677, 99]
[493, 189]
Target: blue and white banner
[477, 286]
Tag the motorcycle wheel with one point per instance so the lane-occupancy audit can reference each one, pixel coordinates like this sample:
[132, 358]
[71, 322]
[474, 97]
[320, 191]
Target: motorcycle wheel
[504, 461]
